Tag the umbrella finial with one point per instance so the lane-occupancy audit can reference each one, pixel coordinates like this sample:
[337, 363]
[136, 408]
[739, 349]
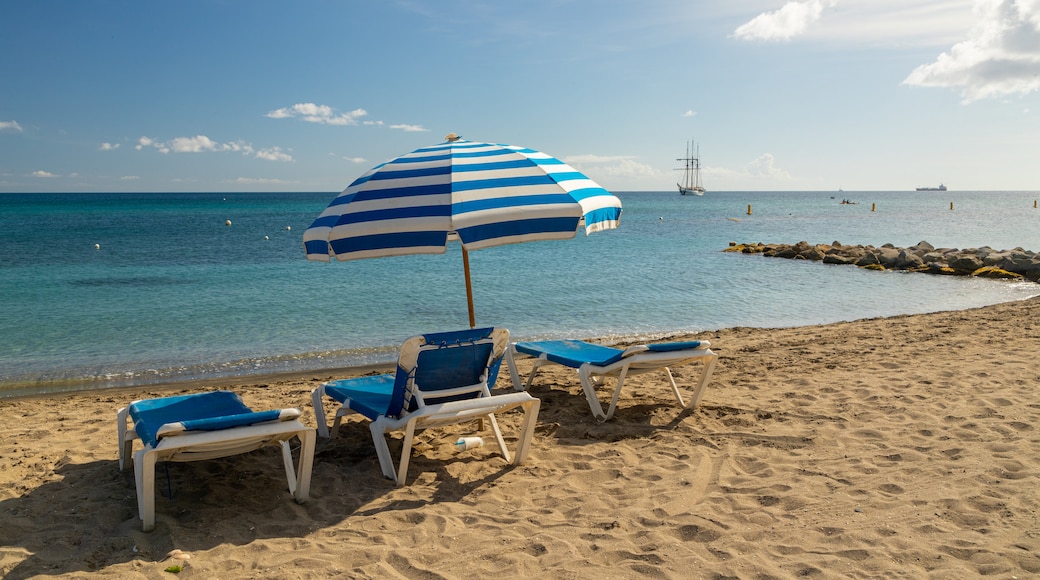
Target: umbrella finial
[451, 137]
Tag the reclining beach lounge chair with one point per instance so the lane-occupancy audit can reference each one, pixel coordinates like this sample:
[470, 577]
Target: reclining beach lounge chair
[207, 426]
[441, 379]
[594, 362]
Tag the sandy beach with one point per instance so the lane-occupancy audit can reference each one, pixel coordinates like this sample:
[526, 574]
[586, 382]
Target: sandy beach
[905, 446]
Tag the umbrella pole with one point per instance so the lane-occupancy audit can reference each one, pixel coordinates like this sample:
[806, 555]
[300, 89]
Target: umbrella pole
[469, 288]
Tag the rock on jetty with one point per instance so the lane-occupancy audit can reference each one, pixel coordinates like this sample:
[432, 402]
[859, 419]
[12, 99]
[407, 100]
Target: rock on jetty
[984, 261]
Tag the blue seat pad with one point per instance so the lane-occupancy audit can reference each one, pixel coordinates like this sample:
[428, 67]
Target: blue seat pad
[670, 346]
[574, 353]
[369, 396]
[571, 353]
[197, 412]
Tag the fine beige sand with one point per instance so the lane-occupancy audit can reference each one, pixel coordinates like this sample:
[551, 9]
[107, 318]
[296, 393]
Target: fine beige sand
[896, 447]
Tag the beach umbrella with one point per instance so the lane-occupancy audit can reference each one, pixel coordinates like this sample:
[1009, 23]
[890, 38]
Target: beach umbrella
[481, 194]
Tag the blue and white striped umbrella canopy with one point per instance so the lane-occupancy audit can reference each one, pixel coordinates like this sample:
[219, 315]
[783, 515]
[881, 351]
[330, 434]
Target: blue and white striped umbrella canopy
[483, 194]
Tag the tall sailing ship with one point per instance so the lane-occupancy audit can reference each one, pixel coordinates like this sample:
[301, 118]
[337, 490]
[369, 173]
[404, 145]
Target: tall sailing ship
[691, 179]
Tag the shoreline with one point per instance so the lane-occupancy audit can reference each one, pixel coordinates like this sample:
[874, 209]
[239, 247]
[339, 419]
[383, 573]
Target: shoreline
[896, 446]
[220, 381]
[18, 390]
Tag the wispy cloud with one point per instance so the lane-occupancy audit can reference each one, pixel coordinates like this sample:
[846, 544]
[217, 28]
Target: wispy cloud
[274, 154]
[203, 144]
[10, 126]
[410, 128]
[762, 170]
[196, 144]
[791, 20]
[44, 174]
[314, 113]
[690, 113]
[1001, 57]
[108, 146]
[130, 178]
[612, 165]
[765, 166]
[260, 180]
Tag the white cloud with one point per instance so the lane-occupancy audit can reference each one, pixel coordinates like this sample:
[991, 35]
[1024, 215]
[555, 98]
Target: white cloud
[129, 177]
[196, 144]
[410, 128]
[274, 154]
[357, 160]
[1001, 57]
[612, 165]
[765, 166]
[143, 142]
[313, 113]
[260, 180]
[690, 113]
[11, 126]
[109, 146]
[44, 174]
[791, 20]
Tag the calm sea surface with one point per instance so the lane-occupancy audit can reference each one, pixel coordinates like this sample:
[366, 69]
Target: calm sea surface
[106, 290]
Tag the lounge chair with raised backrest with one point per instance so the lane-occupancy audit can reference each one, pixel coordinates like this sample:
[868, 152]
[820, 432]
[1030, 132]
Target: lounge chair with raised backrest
[595, 362]
[441, 379]
[207, 426]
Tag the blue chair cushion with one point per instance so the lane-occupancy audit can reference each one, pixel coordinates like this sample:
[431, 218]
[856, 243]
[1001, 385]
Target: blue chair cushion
[571, 353]
[670, 346]
[373, 396]
[197, 412]
[369, 396]
[574, 353]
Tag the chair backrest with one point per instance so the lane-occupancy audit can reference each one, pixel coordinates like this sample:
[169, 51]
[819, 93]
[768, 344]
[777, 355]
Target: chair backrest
[445, 366]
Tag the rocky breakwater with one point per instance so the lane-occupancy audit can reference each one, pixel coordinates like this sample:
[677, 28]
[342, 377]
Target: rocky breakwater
[985, 262]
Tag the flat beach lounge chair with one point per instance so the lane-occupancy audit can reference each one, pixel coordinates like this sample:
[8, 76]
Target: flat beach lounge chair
[207, 426]
[595, 362]
[441, 379]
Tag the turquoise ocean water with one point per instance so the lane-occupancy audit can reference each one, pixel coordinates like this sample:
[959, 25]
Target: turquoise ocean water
[107, 290]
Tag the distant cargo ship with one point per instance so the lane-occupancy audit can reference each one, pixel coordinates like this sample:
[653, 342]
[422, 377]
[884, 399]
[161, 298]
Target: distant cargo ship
[940, 188]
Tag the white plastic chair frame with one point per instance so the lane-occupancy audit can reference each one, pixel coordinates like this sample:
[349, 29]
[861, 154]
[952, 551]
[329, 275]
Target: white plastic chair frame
[202, 445]
[426, 416]
[637, 360]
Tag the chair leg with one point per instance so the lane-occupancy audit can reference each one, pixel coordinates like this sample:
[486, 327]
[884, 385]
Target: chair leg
[523, 444]
[709, 367]
[144, 474]
[588, 384]
[675, 388]
[126, 445]
[538, 363]
[302, 489]
[498, 437]
[386, 462]
[617, 392]
[287, 461]
[406, 453]
[317, 401]
[514, 374]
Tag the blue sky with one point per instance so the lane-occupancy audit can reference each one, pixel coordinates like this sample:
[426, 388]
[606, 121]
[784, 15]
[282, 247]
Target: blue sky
[305, 96]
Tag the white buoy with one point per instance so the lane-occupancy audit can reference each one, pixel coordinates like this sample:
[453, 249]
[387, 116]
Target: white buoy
[227, 223]
[266, 238]
[97, 246]
[288, 228]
